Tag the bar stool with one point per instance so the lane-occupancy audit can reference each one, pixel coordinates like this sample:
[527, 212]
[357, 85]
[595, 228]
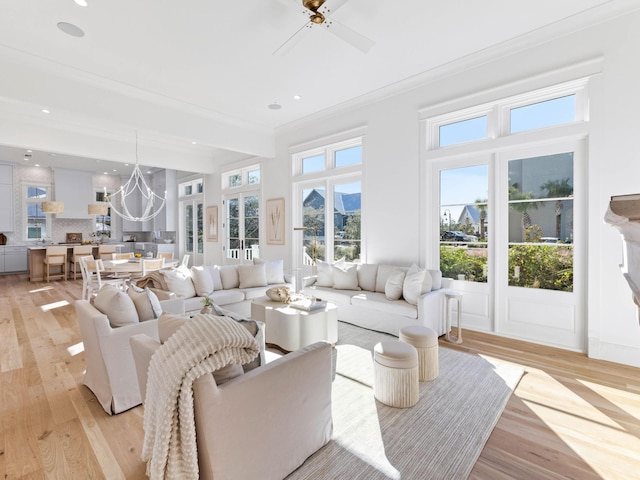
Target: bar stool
[79, 251]
[105, 251]
[395, 367]
[426, 342]
[55, 257]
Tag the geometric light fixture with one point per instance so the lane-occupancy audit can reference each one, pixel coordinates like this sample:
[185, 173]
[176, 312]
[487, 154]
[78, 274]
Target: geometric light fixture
[52, 207]
[135, 188]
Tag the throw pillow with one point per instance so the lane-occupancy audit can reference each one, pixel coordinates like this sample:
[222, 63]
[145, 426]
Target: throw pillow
[413, 284]
[367, 276]
[436, 279]
[202, 281]
[229, 276]
[393, 287]
[345, 278]
[146, 303]
[214, 272]
[116, 305]
[179, 283]
[325, 272]
[252, 276]
[427, 284]
[383, 274]
[274, 269]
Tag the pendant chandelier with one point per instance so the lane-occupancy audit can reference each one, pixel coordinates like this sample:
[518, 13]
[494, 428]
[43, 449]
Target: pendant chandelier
[136, 187]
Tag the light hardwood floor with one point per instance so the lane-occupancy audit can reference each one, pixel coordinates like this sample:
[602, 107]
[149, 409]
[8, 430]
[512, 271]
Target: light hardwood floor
[570, 417]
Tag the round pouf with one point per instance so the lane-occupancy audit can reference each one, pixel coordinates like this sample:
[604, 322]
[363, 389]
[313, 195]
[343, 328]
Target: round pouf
[425, 340]
[395, 366]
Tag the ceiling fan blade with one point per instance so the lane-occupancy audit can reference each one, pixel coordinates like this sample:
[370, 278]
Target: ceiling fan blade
[296, 5]
[331, 6]
[352, 37]
[290, 42]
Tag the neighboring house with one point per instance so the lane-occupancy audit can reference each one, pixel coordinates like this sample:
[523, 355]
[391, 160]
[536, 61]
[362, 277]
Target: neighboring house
[470, 215]
[345, 204]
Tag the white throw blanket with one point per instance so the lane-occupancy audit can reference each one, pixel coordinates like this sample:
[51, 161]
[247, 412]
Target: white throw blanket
[202, 345]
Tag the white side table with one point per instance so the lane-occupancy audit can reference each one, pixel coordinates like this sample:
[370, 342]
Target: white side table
[291, 328]
[450, 297]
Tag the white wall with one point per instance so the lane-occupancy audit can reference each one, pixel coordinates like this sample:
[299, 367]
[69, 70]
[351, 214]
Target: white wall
[391, 197]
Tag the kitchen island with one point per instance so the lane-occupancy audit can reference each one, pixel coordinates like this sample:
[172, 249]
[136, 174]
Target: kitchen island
[36, 256]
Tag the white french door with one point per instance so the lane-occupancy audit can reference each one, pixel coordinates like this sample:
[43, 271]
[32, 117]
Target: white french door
[242, 227]
[191, 225]
[518, 253]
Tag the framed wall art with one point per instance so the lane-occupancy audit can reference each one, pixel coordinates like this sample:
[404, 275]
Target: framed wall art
[212, 223]
[275, 221]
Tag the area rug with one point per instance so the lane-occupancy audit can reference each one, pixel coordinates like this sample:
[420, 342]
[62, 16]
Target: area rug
[441, 437]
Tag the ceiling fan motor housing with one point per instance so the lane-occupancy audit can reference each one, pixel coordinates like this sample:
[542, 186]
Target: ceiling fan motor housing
[313, 5]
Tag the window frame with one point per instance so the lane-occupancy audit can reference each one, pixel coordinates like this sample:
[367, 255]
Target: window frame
[28, 201]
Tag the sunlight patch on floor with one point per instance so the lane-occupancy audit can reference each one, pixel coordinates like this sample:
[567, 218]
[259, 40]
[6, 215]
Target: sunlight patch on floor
[51, 306]
[43, 289]
[75, 349]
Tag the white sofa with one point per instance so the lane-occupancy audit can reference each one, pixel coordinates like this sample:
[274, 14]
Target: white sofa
[261, 424]
[232, 287]
[110, 372]
[381, 297]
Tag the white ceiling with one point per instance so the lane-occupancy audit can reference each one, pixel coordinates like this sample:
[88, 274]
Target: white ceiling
[203, 71]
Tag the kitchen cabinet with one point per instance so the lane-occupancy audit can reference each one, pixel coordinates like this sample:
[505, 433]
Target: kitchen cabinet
[13, 259]
[6, 198]
[164, 183]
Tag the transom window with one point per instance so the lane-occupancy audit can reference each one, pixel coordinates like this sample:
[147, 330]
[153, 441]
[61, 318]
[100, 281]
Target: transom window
[339, 155]
[241, 177]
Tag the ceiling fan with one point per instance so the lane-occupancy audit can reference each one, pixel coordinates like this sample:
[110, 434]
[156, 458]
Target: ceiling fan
[318, 14]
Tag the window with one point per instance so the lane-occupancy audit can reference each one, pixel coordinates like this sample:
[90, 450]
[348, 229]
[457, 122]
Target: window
[191, 219]
[329, 206]
[463, 131]
[543, 114]
[103, 222]
[38, 225]
[241, 178]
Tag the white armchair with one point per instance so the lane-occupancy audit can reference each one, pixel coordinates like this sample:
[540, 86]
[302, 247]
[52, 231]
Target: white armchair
[111, 371]
[240, 424]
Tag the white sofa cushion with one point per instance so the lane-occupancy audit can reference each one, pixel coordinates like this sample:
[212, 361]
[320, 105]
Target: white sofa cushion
[325, 272]
[252, 275]
[378, 301]
[146, 302]
[229, 276]
[345, 278]
[214, 271]
[414, 283]
[393, 287]
[367, 276]
[274, 270]
[116, 305]
[383, 274]
[436, 279]
[202, 281]
[226, 297]
[179, 282]
[339, 297]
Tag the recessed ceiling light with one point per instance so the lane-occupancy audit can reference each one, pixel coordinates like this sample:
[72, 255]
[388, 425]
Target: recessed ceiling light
[52, 154]
[27, 158]
[297, 97]
[274, 106]
[126, 164]
[115, 170]
[106, 173]
[194, 143]
[37, 164]
[71, 29]
[82, 3]
[44, 110]
[29, 151]
[148, 171]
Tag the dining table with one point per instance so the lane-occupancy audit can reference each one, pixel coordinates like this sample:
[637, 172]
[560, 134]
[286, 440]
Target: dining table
[133, 265]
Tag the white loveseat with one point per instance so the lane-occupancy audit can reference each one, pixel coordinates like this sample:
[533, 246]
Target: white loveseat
[381, 297]
[232, 287]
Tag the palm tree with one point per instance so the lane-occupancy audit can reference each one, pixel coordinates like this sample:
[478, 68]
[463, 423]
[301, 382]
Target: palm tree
[481, 205]
[558, 189]
[522, 207]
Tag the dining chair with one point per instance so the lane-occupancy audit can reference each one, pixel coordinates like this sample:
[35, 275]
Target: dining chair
[74, 261]
[106, 251]
[166, 256]
[92, 277]
[122, 256]
[185, 260]
[55, 257]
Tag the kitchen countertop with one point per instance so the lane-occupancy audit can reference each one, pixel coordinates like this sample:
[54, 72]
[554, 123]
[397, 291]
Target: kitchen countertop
[70, 245]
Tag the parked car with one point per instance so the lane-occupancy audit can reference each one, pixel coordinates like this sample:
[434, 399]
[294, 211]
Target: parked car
[457, 236]
[453, 236]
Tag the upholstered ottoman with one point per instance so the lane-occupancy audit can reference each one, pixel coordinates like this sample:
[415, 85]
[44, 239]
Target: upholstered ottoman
[425, 340]
[395, 382]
